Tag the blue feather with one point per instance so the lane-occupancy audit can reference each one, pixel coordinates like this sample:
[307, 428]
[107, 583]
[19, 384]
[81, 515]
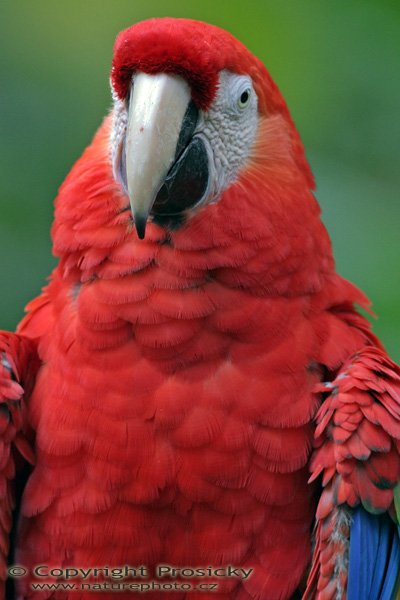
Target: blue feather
[392, 580]
[374, 559]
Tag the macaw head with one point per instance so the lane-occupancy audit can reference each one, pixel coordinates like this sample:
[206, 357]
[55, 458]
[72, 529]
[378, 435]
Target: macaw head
[193, 109]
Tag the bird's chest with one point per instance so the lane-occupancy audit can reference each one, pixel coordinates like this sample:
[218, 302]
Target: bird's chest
[190, 392]
[191, 453]
[201, 433]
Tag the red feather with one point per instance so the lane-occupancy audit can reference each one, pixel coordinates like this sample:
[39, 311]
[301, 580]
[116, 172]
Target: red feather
[363, 463]
[18, 362]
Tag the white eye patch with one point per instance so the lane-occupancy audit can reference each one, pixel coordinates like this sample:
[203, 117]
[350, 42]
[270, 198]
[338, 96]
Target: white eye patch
[228, 130]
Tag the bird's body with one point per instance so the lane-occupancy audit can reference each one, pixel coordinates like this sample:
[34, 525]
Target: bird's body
[174, 409]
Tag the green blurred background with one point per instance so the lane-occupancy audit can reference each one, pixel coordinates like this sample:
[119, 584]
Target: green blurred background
[337, 64]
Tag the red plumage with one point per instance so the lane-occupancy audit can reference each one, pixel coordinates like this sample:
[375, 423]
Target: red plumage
[357, 451]
[180, 375]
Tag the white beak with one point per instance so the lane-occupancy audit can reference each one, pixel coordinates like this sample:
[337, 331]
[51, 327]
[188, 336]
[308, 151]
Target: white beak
[157, 106]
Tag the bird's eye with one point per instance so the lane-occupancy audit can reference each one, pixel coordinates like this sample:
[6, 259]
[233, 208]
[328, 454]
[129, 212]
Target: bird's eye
[244, 98]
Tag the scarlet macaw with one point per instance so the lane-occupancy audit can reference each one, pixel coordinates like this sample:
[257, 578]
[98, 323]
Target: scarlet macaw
[195, 386]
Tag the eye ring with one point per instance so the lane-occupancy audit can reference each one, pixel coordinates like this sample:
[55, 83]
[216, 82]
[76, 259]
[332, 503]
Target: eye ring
[244, 98]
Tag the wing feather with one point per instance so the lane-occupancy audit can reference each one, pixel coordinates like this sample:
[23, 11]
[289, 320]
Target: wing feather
[357, 457]
[18, 363]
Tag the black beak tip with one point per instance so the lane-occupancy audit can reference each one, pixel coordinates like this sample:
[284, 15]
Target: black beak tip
[140, 224]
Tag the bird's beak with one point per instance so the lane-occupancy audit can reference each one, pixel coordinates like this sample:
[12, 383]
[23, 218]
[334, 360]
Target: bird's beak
[157, 107]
